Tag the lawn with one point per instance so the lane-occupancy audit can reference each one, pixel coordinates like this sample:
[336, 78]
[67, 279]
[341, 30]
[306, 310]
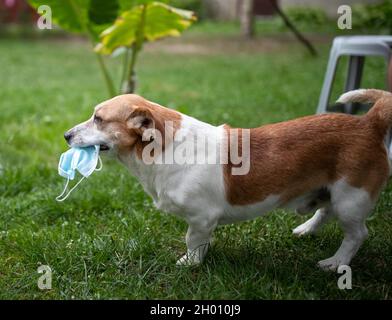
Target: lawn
[107, 240]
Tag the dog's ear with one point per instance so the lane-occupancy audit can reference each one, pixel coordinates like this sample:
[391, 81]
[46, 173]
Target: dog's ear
[143, 122]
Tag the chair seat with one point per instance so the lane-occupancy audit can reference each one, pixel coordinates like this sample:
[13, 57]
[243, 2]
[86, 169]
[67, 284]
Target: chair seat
[364, 39]
[362, 45]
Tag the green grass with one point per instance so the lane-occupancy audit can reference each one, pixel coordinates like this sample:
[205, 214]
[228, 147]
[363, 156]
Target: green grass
[107, 240]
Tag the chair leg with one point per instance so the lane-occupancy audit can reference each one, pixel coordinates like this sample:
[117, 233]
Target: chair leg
[353, 81]
[328, 81]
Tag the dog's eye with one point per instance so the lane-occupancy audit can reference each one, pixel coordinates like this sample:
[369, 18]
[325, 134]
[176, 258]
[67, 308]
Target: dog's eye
[97, 119]
[146, 122]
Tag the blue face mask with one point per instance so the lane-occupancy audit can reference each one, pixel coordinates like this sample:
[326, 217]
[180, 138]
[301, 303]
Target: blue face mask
[83, 160]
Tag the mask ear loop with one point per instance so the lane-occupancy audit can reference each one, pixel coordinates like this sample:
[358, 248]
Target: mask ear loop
[100, 164]
[60, 198]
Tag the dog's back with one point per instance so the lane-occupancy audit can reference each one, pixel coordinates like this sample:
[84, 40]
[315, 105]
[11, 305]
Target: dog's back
[294, 157]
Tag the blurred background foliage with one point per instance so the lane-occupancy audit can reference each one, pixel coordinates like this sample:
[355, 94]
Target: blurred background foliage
[17, 20]
[373, 16]
[193, 5]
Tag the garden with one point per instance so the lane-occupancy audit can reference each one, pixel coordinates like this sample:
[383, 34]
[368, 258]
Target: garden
[107, 240]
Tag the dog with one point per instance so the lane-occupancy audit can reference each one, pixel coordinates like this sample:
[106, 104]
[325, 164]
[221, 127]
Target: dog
[335, 165]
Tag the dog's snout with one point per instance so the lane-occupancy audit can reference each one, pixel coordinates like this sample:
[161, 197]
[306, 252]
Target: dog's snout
[67, 136]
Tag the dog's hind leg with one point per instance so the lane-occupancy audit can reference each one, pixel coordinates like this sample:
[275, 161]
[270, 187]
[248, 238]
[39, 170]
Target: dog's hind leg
[314, 223]
[351, 206]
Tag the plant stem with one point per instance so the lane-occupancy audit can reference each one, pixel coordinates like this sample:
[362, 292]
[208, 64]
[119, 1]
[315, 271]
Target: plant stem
[102, 65]
[130, 80]
[136, 48]
[101, 62]
[125, 69]
[106, 75]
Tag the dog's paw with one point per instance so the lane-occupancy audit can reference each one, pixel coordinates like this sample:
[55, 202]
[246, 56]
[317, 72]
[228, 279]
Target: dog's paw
[188, 260]
[330, 264]
[304, 229]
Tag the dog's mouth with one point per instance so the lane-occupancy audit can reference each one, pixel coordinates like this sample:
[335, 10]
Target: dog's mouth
[103, 147]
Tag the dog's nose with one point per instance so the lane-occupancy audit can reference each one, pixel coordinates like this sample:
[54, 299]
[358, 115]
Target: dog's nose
[67, 136]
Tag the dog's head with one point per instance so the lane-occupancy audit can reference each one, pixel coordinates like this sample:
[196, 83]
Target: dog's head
[121, 123]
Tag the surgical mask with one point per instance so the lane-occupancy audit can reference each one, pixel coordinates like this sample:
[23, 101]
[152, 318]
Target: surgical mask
[83, 160]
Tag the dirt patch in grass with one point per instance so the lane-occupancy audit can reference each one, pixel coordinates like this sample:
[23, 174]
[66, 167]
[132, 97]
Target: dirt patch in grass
[214, 45]
[231, 44]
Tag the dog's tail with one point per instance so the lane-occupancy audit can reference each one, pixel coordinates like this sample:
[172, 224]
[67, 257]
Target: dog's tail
[381, 111]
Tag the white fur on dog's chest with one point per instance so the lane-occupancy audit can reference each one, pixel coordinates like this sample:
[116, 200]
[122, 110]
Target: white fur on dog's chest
[188, 191]
[185, 189]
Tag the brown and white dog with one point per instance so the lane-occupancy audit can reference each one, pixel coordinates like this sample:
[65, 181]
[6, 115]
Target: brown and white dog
[333, 164]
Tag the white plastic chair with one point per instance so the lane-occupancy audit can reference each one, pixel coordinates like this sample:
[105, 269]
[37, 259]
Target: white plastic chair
[357, 48]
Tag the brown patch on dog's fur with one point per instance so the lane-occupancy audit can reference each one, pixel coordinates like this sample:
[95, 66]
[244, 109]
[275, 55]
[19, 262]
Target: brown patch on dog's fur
[298, 156]
[117, 116]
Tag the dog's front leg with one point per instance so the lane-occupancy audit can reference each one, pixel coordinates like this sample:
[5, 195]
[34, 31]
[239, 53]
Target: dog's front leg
[198, 239]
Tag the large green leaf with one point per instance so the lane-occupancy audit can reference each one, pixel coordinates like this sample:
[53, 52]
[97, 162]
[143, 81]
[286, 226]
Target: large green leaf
[149, 22]
[126, 5]
[164, 20]
[79, 15]
[70, 15]
[102, 12]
